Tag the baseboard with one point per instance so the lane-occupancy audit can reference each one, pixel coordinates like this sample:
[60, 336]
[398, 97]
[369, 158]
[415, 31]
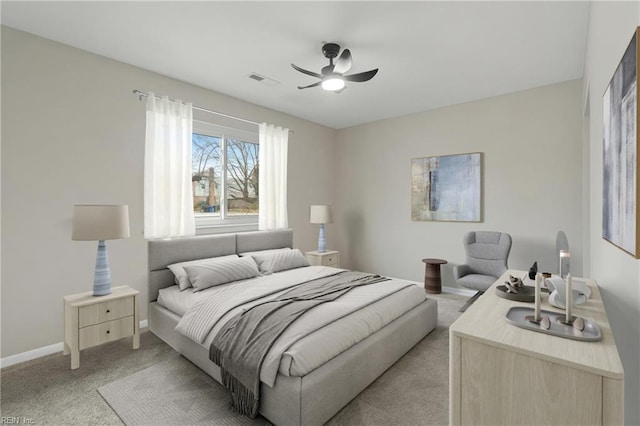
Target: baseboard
[29, 355]
[40, 352]
[445, 289]
[458, 290]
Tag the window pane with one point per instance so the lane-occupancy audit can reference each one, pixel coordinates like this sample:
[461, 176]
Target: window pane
[206, 167]
[242, 177]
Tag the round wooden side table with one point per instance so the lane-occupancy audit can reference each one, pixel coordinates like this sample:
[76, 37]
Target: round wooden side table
[432, 281]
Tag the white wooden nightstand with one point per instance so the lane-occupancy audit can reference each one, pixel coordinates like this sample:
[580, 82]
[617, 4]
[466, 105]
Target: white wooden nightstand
[328, 258]
[93, 320]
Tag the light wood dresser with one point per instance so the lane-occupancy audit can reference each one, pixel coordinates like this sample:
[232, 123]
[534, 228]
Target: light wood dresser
[93, 320]
[500, 374]
[327, 258]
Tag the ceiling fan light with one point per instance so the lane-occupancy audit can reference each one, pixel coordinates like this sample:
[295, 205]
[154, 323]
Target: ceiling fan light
[333, 84]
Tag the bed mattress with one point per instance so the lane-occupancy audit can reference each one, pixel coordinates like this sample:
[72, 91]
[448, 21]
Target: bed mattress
[178, 301]
[319, 336]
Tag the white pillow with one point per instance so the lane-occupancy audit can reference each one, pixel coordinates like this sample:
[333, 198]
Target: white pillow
[212, 274]
[270, 261]
[181, 275]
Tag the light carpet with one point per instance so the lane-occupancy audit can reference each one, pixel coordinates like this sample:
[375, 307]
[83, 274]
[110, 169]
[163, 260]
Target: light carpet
[174, 392]
[413, 391]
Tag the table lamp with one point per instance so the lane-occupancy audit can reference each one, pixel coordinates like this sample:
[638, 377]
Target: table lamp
[320, 215]
[100, 223]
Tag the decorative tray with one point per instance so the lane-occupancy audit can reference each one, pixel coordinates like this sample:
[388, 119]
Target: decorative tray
[517, 315]
[525, 293]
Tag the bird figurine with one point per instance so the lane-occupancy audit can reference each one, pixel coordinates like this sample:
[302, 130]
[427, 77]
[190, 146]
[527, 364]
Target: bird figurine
[510, 288]
[515, 281]
[533, 271]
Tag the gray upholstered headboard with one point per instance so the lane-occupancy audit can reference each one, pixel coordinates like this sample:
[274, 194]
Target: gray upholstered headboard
[165, 252]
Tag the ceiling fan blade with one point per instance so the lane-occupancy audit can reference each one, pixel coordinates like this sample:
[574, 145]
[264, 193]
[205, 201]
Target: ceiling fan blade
[303, 71]
[344, 62]
[317, 83]
[360, 77]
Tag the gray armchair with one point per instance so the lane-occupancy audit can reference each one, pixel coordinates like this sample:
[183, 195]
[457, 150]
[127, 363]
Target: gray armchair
[487, 255]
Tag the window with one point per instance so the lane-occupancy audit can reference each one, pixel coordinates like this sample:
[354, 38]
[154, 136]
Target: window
[224, 176]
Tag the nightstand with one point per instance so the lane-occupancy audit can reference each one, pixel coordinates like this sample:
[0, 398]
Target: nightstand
[328, 258]
[93, 320]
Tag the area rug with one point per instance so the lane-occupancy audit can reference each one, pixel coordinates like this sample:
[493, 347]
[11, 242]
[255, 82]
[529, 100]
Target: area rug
[173, 392]
[177, 392]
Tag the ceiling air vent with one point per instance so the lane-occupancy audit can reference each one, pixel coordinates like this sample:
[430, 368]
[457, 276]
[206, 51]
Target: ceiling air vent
[262, 79]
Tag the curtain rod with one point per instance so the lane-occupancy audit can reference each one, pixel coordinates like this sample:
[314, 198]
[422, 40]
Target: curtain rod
[141, 94]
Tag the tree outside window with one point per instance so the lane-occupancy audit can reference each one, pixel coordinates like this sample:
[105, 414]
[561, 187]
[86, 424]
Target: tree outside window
[242, 177]
[224, 168]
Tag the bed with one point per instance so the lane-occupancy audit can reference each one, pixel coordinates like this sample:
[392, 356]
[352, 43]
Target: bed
[311, 397]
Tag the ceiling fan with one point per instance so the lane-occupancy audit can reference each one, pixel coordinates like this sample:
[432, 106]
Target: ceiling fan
[332, 76]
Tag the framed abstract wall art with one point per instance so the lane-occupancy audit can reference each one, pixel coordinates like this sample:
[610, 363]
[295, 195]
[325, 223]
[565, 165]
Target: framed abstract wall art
[446, 188]
[620, 184]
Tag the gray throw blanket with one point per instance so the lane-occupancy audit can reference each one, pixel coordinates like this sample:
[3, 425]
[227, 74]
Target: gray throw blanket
[242, 344]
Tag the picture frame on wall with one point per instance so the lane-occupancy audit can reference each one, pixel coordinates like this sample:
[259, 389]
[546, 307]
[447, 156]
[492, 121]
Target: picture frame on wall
[621, 181]
[447, 188]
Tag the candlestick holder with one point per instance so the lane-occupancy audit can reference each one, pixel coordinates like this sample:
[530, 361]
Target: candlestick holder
[575, 322]
[544, 321]
[532, 319]
[523, 317]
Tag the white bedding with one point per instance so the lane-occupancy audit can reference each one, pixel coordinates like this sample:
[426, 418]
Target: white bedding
[178, 301]
[304, 346]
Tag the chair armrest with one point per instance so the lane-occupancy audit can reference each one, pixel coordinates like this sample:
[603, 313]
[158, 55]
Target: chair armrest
[460, 271]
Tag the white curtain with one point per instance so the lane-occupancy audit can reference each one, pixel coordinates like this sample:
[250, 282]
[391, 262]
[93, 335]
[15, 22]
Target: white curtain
[274, 142]
[168, 199]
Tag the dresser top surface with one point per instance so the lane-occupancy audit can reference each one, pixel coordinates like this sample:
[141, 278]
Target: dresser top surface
[484, 321]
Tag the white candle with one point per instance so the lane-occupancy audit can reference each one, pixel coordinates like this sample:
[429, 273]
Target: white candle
[536, 313]
[563, 254]
[569, 298]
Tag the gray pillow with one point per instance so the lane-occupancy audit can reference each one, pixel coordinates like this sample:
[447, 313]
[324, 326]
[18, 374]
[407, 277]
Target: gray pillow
[271, 261]
[213, 274]
[180, 274]
[262, 252]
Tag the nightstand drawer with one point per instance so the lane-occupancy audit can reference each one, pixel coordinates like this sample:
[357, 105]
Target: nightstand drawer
[106, 311]
[105, 332]
[331, 260]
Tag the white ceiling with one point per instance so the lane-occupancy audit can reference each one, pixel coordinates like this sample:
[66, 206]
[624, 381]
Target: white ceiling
[430, 54]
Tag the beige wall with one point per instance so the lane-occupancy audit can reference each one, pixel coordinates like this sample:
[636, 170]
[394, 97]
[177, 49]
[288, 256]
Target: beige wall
[72, 132]
[611, 26]
[531, 145]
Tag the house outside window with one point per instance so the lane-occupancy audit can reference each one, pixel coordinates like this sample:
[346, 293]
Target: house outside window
[224, 174]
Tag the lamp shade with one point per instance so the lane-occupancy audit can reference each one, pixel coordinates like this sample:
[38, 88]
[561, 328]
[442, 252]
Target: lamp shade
[320, 214]
[100, 222]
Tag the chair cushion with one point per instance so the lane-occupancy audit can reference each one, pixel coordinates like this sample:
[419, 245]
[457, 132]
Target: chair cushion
[494, 268]
[477, 281]
[487, 252]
